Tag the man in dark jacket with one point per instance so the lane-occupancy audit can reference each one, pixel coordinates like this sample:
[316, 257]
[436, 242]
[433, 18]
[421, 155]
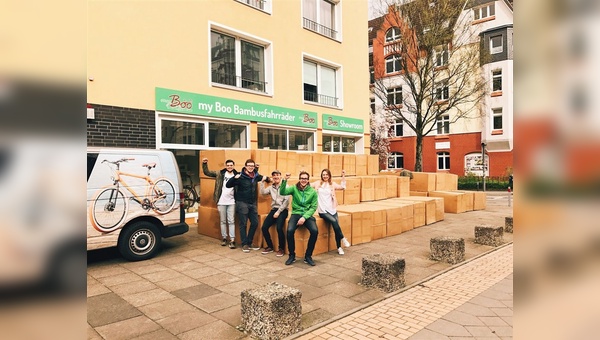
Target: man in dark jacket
[246, 186]
[224, 198]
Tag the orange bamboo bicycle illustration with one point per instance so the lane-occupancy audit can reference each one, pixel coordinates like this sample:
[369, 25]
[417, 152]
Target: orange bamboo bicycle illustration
[110, 205]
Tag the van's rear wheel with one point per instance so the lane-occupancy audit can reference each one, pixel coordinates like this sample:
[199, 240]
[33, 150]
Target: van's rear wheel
[139, 241]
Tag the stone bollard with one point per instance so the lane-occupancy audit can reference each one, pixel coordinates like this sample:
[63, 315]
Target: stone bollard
[489, 235]
[508, 224]
[447, 249]
[271, 312]
[384, 272]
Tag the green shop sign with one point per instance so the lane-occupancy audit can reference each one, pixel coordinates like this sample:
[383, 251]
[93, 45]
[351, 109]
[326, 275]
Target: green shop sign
[339, 123]
[203, 105]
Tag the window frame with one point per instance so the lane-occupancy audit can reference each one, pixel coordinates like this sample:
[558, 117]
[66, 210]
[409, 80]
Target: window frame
[442, 91]
[396, 93]
[444, 158]
[395, 36]
[398, 123]
[320, 63]
[395, 155]
[287, 136]
[497, 49]
[496, 76]
[340, 141]
[489, 8]
[497, 113]
[317, 26]
[445, 50]
[395, 60]
[239, 36]
[266, 5]
[443, 124]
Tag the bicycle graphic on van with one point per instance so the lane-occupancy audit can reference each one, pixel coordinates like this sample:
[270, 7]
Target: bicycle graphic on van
[110, 206]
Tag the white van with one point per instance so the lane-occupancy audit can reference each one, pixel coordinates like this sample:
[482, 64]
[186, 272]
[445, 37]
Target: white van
[134, 199]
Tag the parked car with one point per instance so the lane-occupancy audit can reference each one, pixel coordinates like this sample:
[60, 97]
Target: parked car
[134, 199]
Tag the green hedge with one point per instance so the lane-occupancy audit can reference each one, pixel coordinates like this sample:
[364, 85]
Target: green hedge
[476, 183]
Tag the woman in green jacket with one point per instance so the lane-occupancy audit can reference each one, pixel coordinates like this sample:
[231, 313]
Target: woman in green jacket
[304, 205]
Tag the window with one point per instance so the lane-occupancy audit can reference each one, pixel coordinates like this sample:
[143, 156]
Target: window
[497, 80]
[333, 143]
[440, 55]
[443, 124]
[496, 44]
[441, 90]
[372, 76]
[443, 160]
[392, 64]
[263, 5]
[394, 96]
[396, 161]
[373, 105]
[484, 12]
[178, 132]
[398, 128]
[226, 135]
[497, 119]
[237, 62]
[392, 34]
[320, 83]
[320, 16]
[282, 139]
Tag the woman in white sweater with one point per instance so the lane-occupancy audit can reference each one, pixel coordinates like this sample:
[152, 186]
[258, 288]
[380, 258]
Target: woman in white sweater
[327, 204]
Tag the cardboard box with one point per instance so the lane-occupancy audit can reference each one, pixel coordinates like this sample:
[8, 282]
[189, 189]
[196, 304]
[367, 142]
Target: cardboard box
[273, 233]
[339, 195]
[403, 186]
[469, 201]
[399, 216]
[207, 190]
[345, 221]
[423, 181]
[322, 245]
[263, 202]
[391, 187]
[452, 181]
[373, 164]
[336, 164]
[320, 161]
[434, 207]
[267, 159]
[362, 221]
[379, 222]
[418, 193]
[352, 192]
[349, 164]
[380, 185]
[479, 200]
[454, 202]
[287, 162]
[361, 165]
[367, 188]
[208, 222]
[304, 163]
[446, 181]
[217, 158]
[300, 241]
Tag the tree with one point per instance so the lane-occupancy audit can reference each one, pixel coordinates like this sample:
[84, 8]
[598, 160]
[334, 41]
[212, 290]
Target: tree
[380, 144]
[432, 55]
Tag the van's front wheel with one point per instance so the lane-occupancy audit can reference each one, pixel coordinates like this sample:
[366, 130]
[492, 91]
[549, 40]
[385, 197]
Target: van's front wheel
[139, 241]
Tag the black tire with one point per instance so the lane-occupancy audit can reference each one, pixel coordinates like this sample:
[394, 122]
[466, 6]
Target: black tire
[139, 241]
[189, 197]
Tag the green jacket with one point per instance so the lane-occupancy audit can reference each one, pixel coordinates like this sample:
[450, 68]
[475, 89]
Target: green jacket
[304, 202]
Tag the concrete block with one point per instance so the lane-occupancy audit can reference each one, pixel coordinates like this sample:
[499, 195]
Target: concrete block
[508, 224]
[384, 272]
[447, 249]
[489, 235]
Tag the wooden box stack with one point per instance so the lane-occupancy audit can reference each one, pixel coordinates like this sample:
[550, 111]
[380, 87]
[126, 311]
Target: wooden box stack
[287, 162]
[380, 185]
[454, 202]
[423, 182]
[345, 221]
[348, 164]
[361, 165]
[479, 200]
[267, 159]
[352, 192]
[419, 193]
[322, 244]
[372, 165]
[367, 188]
[336, 163]
[263, 202]
[434, 207]
[403, 186]
[217, 158]
[209, 224]
[399, 216]
[320, 161]
[304, 163]
[391, 188]
[362, 222]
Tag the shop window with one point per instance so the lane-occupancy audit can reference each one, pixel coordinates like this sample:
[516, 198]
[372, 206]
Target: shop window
[283, 139]
[227, 136]
[343, 144]
[178, 132]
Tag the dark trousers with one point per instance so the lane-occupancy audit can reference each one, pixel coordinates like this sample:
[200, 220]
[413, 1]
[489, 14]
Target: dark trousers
[269, 221]
[247, 211]
[335, 224]
[311, 225]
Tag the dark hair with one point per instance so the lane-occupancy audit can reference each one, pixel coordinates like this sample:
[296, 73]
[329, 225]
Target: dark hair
[300, 175]
[250, 160]
[229, 161]
[328, 172]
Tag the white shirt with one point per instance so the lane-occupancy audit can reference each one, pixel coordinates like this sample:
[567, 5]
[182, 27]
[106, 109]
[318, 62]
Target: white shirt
[227, 193]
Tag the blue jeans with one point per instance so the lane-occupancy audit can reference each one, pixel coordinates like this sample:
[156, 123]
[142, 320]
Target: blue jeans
[335, 224]
[269, 221]
[247, 211]
[227, 217]
[311, 225]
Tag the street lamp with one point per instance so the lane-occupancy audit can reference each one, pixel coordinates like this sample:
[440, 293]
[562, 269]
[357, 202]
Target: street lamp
[483, 162]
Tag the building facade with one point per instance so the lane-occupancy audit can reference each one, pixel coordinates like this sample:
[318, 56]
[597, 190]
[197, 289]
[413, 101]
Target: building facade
[242, 74]
[456, 146]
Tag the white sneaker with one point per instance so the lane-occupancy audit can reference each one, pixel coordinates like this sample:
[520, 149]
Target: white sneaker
[345, 242]
[340, 251]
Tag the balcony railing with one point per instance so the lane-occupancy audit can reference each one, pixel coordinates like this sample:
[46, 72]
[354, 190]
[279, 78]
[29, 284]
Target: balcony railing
[260, 4]
[316, 27]
[237, 81]
[320, 98]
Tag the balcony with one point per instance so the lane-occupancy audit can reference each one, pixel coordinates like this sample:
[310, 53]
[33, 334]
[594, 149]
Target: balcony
[260, 4]
[237, 81]
[320, 98]
[318, 28]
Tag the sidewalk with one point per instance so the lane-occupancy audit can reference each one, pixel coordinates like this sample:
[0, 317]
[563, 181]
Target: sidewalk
[191, 290]
[469, 301]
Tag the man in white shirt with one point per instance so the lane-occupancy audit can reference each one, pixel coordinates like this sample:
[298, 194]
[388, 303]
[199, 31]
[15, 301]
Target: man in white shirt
[224, 197]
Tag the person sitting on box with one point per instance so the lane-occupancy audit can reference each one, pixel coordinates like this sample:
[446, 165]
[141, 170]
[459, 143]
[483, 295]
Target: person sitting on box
[304, 205]
[328, 204]
[278, 215]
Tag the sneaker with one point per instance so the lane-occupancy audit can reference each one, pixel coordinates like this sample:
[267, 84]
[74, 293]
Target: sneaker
[232, 245]
[345, 242]
[267, 250]
[224, 242]
[309, 260]
[290, 260]
[340, 251]
[279, 253]
[245, 248]
[254, 247]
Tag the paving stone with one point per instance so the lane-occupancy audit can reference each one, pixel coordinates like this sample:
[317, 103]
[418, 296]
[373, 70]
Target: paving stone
[109, 308]
[185, 321]
[317, 280]
[344, 288]
[195, 292]
[216, 302]
[212, 331]
[479, 331]
[334, 303]
[127, 329]
[128, 289]
[448, 328]
[147, 297]
[161, 334]
[463, 319]
[162, 309]
[492, 321]
[427, 334]
[231, 315]
[314, 317]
